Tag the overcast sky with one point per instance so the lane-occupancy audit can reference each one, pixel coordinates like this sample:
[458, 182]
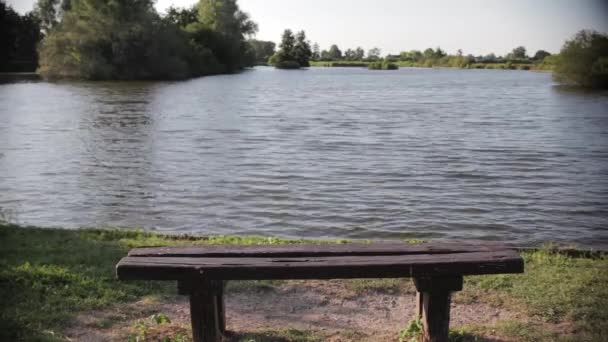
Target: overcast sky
[475, 26]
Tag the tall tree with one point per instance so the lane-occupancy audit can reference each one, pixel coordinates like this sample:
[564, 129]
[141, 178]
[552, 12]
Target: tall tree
[374, 54]
[518, 53]
[182, 17]
[301, 49]
[262, 50]
[224, 27]
[359, 54]
[288, 41]
[335, 53]
[316, 52]
[349, 55]
[19, 37]
[540, 55]
[50, 12]
[583, 60]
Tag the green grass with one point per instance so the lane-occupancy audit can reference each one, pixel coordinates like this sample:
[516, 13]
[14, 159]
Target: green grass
[47, 276]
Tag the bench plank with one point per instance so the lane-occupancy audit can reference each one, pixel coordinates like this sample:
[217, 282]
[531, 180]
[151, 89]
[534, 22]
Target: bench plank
[332, 267]
[304, 250]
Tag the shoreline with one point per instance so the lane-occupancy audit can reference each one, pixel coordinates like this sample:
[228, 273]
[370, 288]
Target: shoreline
[60, 283]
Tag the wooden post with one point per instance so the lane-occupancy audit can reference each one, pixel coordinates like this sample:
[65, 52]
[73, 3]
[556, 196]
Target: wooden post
[419, 304]
[221, 305]
[204, 313]
[435, 305]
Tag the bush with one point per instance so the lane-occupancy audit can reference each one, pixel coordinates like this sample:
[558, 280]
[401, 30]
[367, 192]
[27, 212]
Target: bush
[287, 65]
[583, 61]
[382, 65]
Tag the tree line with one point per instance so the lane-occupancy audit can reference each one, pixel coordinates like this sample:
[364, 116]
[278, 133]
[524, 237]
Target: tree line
[19, 37]
[129, 39]
[582, 61]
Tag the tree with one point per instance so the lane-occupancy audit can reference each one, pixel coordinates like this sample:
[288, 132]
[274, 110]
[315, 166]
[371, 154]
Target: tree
[359, 54]
[50, 12]
[518, 53]
[429, 53]
[540, 55]
[373, 54]
[285, 58]
[223, 27]
[411, 56]
[334, 53]
[489, 58]
[261, 50]
[583, 60]
[316, 52]
[19, 37]
[225, 17]
[325, 56]
[288, 41]
[349, 55]
[439, 53]
[301, 50]
[182, 17]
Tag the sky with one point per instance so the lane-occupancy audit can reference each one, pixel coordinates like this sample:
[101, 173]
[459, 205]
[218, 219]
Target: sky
[477, 27]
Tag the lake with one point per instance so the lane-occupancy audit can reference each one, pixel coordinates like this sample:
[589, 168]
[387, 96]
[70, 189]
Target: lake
[319, 153]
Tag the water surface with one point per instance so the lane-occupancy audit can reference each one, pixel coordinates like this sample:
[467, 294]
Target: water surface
[346, 153]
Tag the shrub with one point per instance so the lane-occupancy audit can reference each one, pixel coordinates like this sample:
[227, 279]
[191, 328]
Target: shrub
[382, 65]
[287, 65]
[583, 60]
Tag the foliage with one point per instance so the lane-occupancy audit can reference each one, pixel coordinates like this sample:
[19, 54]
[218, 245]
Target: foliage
[583, 60]
[123, 39]
[47, 276]
[181, 17]
[373, 54]
[294, 51]
[412, 333]
[301, 50]
[541, 55]
[19, 36]
[261, 51]
[518, 53]
[383, 65]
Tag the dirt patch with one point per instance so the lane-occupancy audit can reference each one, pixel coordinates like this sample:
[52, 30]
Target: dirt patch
[328, 308]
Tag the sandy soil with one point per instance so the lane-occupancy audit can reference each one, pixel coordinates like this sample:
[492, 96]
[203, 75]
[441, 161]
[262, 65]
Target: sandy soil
[327, 307]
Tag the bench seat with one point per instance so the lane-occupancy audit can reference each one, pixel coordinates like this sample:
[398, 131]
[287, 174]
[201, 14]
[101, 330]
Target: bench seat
[437, 270]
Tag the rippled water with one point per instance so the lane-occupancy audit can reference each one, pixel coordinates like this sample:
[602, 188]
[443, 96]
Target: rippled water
[349, 153]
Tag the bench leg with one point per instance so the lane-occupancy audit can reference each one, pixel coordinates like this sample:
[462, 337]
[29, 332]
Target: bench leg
[433, 306]
[204, 312]
[221, 306]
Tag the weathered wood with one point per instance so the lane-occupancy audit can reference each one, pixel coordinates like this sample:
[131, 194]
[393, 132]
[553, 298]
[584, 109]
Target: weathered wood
[437, 270]
[204, 312]
[451, 283]
[436, 316]
[220, 305]
[419, 304]
[186, 287]
[383, 266]
[434, 295]
[310, 250]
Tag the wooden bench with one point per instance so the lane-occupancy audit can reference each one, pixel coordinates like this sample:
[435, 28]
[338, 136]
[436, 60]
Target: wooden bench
[437, 270]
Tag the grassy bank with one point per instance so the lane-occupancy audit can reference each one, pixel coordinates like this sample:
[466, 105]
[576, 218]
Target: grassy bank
[48, 276]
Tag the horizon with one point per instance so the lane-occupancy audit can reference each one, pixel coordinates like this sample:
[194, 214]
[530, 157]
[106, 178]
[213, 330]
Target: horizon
[478, 28]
